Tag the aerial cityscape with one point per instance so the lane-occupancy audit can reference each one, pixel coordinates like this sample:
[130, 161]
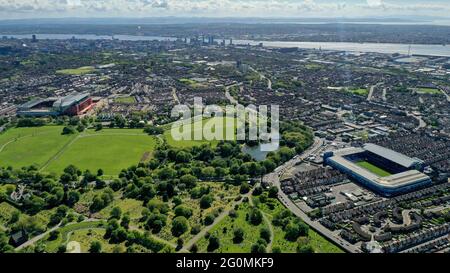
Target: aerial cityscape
[123, 134]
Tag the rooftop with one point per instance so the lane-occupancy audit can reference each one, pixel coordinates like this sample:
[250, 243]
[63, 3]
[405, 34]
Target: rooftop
[391, 155]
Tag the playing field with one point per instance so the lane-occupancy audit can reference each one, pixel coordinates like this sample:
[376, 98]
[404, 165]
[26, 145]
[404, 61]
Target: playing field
[430, 91]
[76, 71]
[216, 124]
[108, 149]
[125, 100]
[373, 169]
[27, 146]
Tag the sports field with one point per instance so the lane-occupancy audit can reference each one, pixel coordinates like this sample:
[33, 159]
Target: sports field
[108, 149]
[373, 169]
[216, 124]
[125, 100]
[430, 91]
[76, 71]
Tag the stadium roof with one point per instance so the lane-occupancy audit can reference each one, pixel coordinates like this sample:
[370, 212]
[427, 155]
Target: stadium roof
[401, 179]
[70, 99]
[391, 155]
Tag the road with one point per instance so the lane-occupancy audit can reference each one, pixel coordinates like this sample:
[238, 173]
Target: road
[175, 96]
[274, 179]
[383, 96]
[371, 90]
[230, 98]
[422, 123]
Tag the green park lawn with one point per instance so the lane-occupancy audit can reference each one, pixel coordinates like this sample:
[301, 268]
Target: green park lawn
[21, 147]
[76, 71]
[216, 123]
[318, 242]
[358, 91]
[125, 100]
[224, 231]
[108, 149]
[429, 91]
[373, 169]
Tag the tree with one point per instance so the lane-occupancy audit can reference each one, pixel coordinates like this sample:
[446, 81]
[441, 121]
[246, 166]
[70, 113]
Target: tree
[273, 191]
[156, 222]
[258, 248]
[125, 221]
[53, 235]
[189, 180]
[180, 243]
[209, 219]
[179, 226]
[100, 172]
[255, 216]
[213, 243]
[153, 130]
[296, 229]
[72, 198]
[4, 244]
[98, 127]
[116, 212]
[95, 247]
[276, 249]
[206, 201]
[119, 235]
[245, 188]
[302, 248]
[68, 130]
[97, 204]
[183, 157]
[62, 248]
[208, 172]
[238, 235]
[182, 210]
[194, 248]
[264, 233]
[81, 128]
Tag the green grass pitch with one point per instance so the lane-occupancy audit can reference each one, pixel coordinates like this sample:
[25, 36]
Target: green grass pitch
[373, 169]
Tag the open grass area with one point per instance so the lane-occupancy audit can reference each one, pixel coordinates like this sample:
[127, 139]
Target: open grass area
[6, 212]
[76, 71]
[65, 234]
[86, 236]
[357, 91]
[21, 147]
[373, 169]
[108, 149]
[318, 242]
[429, 91]
[125, 100]
[224, 231]
[217, 124]
[193, 83]
[223, 199]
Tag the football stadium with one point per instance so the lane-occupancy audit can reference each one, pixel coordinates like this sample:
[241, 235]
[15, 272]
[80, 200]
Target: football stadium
[71, 105]
[382, 170]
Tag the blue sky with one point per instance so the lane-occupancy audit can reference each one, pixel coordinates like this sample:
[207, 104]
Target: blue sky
[11, 9]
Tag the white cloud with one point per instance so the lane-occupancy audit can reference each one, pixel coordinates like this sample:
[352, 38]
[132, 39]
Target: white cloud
[215, 8]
